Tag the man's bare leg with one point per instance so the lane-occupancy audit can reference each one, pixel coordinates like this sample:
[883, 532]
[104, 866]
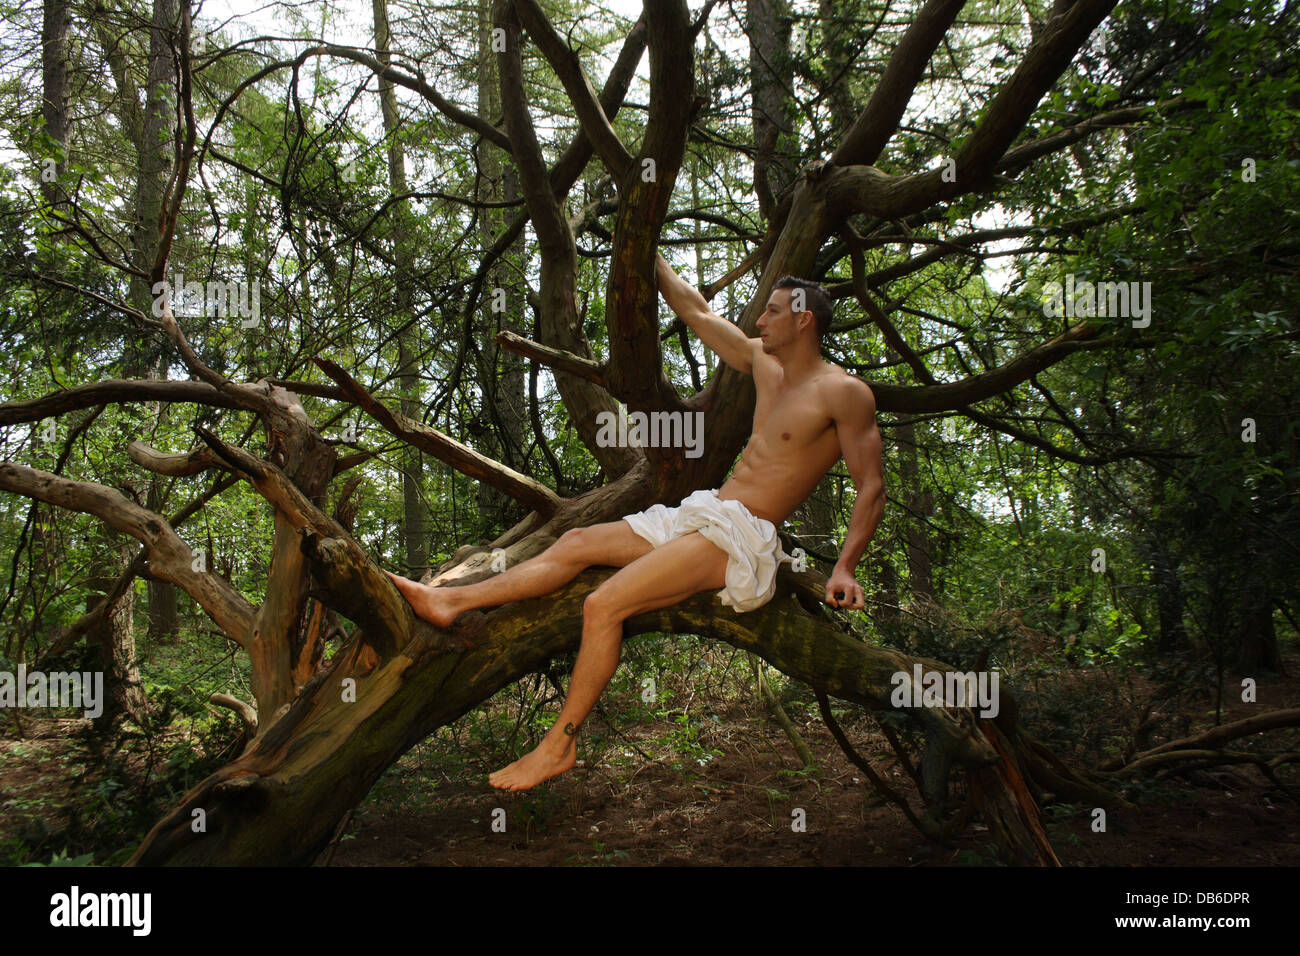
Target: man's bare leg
[613, 543]
[665, 576]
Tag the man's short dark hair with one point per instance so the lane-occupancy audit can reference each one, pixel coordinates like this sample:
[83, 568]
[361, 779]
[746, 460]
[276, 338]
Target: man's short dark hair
[816, 300]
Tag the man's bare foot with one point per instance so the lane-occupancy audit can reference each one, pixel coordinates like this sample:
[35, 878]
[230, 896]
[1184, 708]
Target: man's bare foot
[435, 605]
[531, 769]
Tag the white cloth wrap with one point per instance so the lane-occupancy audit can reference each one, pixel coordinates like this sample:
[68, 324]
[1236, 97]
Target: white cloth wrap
[753, 548]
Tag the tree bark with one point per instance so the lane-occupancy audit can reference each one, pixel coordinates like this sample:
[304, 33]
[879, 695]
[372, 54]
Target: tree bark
[499, 426]
[281, 801]
[768, 25]
[55, 27]
[414, 511]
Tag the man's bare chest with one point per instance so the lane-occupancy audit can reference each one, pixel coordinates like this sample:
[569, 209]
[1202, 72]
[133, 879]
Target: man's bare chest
[791, 417]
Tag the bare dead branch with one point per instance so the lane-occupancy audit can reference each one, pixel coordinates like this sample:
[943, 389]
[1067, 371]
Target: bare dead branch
[246, 712]
[1212, 738]
[446, 449]
[170, 558]
[589, 369]
[175, 464]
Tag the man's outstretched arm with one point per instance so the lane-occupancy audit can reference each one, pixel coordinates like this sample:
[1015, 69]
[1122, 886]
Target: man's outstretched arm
[725, 339]
[855, 423]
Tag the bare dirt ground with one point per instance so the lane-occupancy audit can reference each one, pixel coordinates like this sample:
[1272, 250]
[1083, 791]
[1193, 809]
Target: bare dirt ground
[723, 788]
[740, 809]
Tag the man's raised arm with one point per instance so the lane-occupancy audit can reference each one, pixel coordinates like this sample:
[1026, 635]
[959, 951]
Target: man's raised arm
[725, 339]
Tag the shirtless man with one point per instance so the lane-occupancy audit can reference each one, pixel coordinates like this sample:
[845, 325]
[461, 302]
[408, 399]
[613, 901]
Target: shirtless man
[807, 414]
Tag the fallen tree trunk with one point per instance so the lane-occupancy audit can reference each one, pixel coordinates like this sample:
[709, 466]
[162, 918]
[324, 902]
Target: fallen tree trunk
[280, 802]
[283, 799]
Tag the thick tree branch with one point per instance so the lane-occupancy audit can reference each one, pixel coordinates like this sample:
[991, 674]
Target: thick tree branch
[560, 325]
[1016, 159]
[879, 119]
[177, 464]
[361, 591]
[963, 245]
[863, 188]
[576, 365]
[342, 749]
[544, 207]
[1046, 59]
[632, 309]
[241, 395]
[947, 396]
[170, 558]
[595, 124]
[461, 457]
[116, 391]
[561, 178]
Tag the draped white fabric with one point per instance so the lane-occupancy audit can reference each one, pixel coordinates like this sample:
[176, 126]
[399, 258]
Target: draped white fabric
[753, 548]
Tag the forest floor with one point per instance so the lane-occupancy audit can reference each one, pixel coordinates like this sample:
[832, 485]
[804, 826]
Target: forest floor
[721, 786]
[738, 807]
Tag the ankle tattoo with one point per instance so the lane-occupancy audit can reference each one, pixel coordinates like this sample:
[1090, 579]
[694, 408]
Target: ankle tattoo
[570, 730]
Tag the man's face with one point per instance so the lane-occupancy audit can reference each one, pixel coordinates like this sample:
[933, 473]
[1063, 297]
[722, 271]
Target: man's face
[779, 324]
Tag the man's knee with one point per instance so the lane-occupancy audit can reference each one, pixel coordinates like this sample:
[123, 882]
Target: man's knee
[601, 604]
[571, 537]
[573, 545]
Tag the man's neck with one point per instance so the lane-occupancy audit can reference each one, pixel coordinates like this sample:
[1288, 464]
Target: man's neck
[801, 366]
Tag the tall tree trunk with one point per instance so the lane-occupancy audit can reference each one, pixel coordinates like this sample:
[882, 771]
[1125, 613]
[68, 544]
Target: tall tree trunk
[144, 356]
[141, 357]
[54, 108]
[768, 24]
[837, 17]
[501, 424]
[415, 525]
[114, 640]
[1257, 647]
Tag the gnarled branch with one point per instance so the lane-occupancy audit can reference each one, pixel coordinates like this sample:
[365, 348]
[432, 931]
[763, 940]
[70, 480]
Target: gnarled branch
[464, 459]
[170, 558]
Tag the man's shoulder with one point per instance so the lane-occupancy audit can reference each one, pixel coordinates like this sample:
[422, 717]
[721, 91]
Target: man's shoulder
[844, 386]
[840, 388]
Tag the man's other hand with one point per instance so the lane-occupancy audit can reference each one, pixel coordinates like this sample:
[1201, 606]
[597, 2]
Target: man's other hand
[844, 591]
